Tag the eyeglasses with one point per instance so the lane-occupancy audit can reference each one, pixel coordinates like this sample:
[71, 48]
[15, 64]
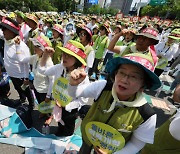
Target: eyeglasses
[131, 78]
[82, 34]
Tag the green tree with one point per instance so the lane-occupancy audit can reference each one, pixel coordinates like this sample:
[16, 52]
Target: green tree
[169, 10]
[32, 5]
[64, 5]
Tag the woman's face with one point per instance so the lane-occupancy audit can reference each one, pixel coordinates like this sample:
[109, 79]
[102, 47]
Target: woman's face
[55, 34]
[68, 60]
[143, 42]
[102, 31]
[8, 35]
[129, 80]
[95, 31]
[31, 24]
[19, 19]
[38, 51]
[117, 30]
[129, 37]
[83, 36]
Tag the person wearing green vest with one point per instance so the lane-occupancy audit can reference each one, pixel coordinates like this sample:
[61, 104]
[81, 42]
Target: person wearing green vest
[146, 39]
[66, 109]
[85, 36]
[128, 40]
[32, 22]
[129, 37]
[167, 138]
[120, 120]
[57, 41]
[117, 29]
[95, 33]
[100, 45]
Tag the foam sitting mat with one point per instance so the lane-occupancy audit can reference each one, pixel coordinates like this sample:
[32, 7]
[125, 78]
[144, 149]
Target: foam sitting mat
[160, 104]
[148, 98]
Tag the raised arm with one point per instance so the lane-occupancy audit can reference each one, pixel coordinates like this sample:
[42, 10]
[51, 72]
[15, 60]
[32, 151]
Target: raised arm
[112, 45]
[48, 52]
[89, 90]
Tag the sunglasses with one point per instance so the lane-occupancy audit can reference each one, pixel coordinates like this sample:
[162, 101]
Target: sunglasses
[82, 34]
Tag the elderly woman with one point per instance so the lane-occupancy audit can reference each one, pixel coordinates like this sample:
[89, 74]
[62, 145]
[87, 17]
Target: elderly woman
[119, 109]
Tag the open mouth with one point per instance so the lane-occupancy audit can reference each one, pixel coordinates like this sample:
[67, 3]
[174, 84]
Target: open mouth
[122, 87]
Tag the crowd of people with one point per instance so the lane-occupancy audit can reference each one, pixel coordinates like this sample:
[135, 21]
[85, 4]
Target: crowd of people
[68, 59]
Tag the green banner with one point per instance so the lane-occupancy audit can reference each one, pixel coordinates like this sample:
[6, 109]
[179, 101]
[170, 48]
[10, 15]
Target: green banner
[157, 2]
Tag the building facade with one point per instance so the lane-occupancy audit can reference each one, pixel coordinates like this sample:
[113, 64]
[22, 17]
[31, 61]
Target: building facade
[123, 5]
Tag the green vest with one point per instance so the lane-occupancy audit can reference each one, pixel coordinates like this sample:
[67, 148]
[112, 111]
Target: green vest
[100, 45]
[121, 118]
[94, 37]
[164, 143]
[57, 54]
[120, 43]
[162, 63]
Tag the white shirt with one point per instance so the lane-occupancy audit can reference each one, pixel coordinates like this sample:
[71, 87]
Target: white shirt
[13, 54]
[90, 26]
[42, 83]
[90, 58]
[143, 134]
[60, 71]
[170, 52]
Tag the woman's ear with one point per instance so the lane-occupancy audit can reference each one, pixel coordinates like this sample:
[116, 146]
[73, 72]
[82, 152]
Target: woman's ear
[142, 88]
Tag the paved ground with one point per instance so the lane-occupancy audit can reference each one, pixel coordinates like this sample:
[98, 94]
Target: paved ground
[162, 116]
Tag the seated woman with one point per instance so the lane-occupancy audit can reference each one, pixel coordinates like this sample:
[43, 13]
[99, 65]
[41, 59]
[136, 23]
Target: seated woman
[118, 105]
[167, 137]
[73, 57]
